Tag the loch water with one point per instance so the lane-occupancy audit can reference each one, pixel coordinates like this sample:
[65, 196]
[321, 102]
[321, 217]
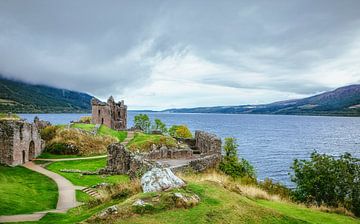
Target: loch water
[269, 142]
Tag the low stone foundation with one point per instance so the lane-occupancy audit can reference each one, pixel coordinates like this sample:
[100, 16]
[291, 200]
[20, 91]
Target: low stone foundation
[165, 153]
[200, 164]
[208, 146]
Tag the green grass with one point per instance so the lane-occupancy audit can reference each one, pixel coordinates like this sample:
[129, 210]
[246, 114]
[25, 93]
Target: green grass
[143, 142]
[307, 215]
[120, 135]
[219, 205]
[47, 155]
[90, 165]
[25, 191]
[85, 127]
[82, 196]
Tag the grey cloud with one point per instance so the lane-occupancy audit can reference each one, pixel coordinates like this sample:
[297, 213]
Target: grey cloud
[104, 46]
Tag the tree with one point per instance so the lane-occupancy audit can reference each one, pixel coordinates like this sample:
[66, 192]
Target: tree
[231, 165]
[328, 180]
[142, 122]
[159, 126]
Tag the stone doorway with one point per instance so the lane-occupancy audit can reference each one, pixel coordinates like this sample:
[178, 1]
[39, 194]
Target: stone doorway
[23, 156]
[31, 150]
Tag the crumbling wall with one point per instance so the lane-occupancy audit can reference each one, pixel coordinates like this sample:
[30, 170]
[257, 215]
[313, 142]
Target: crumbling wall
[166, 153]
[111, 114]
[207, 143]
[6, 142]
[20, 142]
[200, 164]
[121, 161]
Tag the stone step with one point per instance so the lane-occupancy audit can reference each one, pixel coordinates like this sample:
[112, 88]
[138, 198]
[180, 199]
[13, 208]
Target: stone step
[91, 192]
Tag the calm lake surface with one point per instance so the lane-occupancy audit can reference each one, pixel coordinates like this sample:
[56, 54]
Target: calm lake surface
[269, 142]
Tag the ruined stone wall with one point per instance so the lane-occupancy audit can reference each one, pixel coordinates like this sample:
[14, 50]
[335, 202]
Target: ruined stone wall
[111, 114]
[6, 142]
[101, 115]
[121, 161]
[165, 153]
[207, 143]
[20, 143]
[200, 164]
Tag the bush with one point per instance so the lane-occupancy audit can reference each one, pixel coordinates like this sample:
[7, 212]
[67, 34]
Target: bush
[328, 180]
[180, 131]
[48, 133]
[142, 122]
[231, 165]
[62, 149]
[85, 120]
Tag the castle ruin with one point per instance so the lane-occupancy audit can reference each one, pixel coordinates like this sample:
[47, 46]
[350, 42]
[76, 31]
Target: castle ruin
[20, 142]
[111, 114]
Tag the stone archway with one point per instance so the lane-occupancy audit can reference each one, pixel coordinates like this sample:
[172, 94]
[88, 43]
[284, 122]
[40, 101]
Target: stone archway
[31, 150]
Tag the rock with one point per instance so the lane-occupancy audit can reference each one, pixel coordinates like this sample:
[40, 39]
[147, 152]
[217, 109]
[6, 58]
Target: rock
[186, 201]
[108, 211]
[139, 202]
[160, 179]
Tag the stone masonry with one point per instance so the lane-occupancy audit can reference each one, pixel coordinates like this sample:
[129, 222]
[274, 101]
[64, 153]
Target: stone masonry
[122, 161]
[20, 142]
[111, 114]
[207, 143]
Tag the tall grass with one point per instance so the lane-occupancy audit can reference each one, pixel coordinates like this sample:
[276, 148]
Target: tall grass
[86, 143]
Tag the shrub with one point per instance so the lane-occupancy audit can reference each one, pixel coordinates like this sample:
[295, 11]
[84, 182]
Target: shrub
[159, 126]
[85, 120]
[62, 149]
[142, 122]
[48, 133]
[180, 131]
[328, 180]
[231, 165]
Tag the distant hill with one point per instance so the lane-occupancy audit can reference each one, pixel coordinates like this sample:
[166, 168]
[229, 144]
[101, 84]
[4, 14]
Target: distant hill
[20, 97]
[344, 101]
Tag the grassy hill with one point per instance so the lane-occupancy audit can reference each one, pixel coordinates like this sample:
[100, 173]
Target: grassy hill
[344, 101]
[221, 201]
[20, 97]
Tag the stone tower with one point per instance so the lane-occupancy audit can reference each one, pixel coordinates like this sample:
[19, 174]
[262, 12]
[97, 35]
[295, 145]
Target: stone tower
[111, 114]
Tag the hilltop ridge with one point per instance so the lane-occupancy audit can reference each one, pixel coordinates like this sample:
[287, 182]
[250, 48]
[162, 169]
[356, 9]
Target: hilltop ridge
[21, 97]
[343, 101]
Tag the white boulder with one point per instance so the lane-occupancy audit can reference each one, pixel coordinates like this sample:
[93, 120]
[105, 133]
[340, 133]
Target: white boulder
[160, 179]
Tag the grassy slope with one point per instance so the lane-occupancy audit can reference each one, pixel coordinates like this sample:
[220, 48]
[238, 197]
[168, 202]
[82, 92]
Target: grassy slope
[120, 135]
[82, 196]
[143, 141]
[306, 214]
[90, 165]
[25, 191]
[219, 205]
[103, 130]
[85, 127]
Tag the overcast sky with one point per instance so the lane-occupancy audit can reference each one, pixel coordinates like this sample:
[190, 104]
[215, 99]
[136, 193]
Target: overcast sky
[166, 54]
